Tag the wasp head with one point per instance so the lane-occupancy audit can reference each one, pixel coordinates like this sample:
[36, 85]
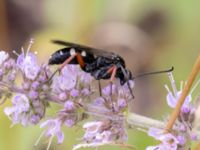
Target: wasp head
[124, 76]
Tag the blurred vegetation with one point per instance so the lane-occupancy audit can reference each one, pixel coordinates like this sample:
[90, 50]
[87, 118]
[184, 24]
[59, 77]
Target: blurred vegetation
[171, 27]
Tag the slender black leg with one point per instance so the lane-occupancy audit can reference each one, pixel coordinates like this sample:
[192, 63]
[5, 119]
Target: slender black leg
[129, 87]
[111, 84]
[100, 93]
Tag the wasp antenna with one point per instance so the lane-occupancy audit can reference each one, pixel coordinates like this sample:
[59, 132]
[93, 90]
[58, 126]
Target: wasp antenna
[155, 72]
[59, 42]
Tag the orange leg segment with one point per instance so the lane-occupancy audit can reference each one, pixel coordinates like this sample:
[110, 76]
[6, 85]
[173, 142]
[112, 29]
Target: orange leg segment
[80, 60]
[67, 61]
[114, 70]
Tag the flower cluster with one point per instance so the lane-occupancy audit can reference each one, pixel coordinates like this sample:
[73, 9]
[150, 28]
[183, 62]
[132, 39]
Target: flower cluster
[33, 87]
[29, 101]
[182, 134]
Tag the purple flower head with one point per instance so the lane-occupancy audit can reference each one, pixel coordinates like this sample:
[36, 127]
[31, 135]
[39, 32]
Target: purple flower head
[69, 106]
[86, 78]
[8, 64]
[12, 76]
[66, 81]
[53, 129]
[34, 119]
[74, 93]
[194, 136]
[28, 63]
[21, 102]
[25, 85]
[33, 94]
[99, 101]
[86, 92]
[172, 100]
[105, 131]
[181, 139]
[174, 95]
[92, 129]
[62, 96]
[168, 140]
[35, 85]
[26, 59]
[17, 113]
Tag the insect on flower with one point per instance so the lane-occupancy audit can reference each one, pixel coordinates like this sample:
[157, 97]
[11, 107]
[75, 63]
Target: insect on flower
[99, 63]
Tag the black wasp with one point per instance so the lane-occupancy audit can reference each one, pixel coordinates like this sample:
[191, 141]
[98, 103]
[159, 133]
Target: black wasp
[99, 63]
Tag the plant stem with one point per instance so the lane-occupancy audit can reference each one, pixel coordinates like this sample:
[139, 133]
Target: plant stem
[143, 122]
[185, 92]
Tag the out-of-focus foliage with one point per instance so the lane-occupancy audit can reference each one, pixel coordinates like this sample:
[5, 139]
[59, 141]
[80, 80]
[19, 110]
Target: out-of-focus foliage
[170, 27]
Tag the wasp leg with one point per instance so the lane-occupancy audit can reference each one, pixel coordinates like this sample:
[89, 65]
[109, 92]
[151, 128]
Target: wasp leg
[99, 83]
[67, 61]
[129, 87]
[112, 71]
[80, 60]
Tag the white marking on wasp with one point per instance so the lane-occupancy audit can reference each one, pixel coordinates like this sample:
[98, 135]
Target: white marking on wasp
[95, 56]
[83, 53]
[61, 53]
[72, 51]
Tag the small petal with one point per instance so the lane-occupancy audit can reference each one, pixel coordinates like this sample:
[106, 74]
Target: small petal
[60, 137]
[63, 96]
[69, 123]
[181, 140]
[85, 92]
[3, 56]
[69, 106]
[74, 93]
[171, 101]
[9, 110]
[122, 103]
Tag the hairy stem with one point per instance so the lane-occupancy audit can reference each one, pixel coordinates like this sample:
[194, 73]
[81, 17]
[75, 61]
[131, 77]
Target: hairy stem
[143, 122]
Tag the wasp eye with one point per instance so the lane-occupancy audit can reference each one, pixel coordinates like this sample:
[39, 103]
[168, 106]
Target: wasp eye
[72, 51]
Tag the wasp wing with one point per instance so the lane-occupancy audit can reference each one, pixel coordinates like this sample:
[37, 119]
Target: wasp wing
[87, 49]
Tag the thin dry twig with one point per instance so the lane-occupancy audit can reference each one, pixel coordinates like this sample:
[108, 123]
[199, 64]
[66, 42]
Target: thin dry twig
[185, 92]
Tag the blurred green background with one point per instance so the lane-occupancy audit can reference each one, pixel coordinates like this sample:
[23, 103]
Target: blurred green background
[149, 34]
